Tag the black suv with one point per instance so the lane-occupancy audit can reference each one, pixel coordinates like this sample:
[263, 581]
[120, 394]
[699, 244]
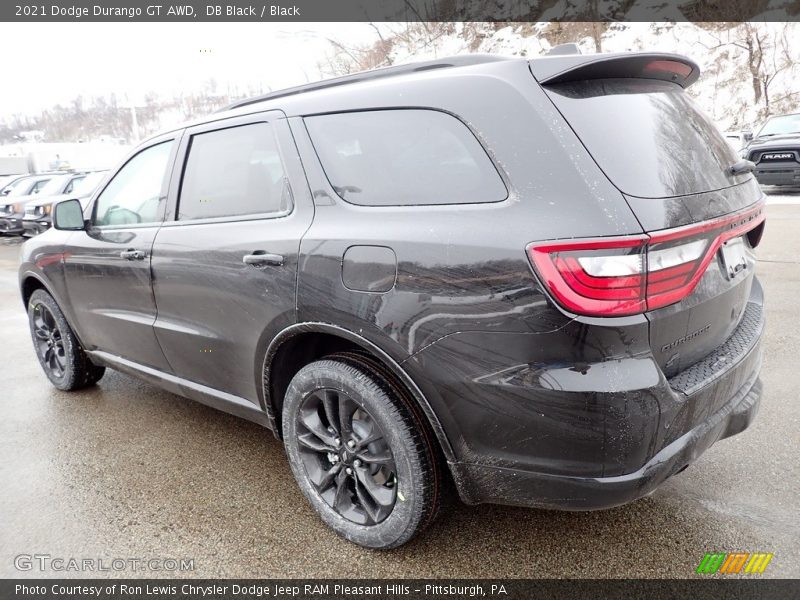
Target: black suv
[533, 280]
[775, 150]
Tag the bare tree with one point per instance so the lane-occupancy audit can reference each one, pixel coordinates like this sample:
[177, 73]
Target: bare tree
[768, 54]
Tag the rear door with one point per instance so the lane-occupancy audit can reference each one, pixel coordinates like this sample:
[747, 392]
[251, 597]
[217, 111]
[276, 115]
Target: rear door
[108, 266]
[225, 263]
[673, 167]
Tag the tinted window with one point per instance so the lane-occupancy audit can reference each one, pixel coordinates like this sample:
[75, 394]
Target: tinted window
[648, 136]
[234, 172]
[134, 194]
[404, 157]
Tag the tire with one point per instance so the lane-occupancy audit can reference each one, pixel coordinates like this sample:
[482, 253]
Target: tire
[395, 491]
[60, 354]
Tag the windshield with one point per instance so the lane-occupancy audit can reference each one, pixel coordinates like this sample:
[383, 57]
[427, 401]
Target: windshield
[9, 183]
[21, 189]
[89, 183]
[781, 125]
[54, 186]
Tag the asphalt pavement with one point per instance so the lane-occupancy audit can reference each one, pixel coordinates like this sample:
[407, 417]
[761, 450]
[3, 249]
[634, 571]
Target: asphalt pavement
[125, 470]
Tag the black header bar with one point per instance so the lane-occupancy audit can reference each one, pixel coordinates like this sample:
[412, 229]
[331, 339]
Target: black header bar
[399, 10]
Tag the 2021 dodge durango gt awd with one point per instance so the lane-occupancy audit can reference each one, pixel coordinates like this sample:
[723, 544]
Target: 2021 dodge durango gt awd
[531, 279]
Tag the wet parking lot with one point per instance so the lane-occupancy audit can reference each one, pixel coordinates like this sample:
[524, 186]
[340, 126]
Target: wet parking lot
[125, 470]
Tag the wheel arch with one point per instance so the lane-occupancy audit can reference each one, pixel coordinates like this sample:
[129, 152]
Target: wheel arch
[29, 284]
[280, 354]
[31, 281]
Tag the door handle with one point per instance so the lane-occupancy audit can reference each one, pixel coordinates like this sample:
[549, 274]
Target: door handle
[259, 257]
[132, 254]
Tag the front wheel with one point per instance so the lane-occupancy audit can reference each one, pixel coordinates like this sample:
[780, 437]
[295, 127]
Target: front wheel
[359, 454]
[58, 350]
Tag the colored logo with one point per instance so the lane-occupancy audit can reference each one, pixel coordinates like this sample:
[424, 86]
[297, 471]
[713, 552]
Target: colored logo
[732, 563]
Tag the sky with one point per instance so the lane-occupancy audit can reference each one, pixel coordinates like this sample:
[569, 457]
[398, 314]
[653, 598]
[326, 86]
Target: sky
[49, 63]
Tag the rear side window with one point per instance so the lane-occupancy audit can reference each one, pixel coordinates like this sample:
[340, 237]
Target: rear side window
[234, 172]
[404, 157]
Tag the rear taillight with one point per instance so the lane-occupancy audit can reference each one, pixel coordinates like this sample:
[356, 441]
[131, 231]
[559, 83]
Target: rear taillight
[618, 276]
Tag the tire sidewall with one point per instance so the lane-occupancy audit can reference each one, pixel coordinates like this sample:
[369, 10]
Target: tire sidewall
[404, 519]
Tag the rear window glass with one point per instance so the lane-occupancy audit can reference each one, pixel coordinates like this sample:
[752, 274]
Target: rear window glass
[648, 136]
[404, 157]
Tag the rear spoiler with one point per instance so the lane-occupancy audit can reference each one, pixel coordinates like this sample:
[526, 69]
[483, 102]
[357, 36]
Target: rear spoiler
[678, 69]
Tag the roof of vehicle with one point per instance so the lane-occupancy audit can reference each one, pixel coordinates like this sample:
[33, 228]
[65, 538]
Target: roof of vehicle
[404, 69]
[546, 69]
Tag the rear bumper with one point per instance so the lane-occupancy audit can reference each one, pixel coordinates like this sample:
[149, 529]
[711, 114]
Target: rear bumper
[480, 483]
[786, 174]
[585, 435]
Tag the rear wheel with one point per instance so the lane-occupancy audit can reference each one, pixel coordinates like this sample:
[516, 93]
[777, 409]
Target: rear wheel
[359, 454]
[58, 350]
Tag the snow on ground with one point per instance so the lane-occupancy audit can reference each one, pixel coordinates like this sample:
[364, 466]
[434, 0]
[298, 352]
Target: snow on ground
[780, 196]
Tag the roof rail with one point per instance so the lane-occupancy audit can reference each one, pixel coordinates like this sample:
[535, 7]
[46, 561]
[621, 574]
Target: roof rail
[443, 63]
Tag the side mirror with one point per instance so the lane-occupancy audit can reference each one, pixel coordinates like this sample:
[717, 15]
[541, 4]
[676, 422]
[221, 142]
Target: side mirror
[747, 136]
[68, 216]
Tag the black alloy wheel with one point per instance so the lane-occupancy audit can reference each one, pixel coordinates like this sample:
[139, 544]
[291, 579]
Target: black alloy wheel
[360, 451]
[59, 352]
[49, 341]
[346, 456]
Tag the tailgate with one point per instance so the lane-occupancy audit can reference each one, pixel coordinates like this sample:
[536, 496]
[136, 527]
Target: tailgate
[673, 167]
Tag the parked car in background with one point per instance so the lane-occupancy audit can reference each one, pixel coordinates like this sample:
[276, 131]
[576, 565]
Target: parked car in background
[13, 211]
[16, 195]
[775, 150]
[38, 212]
[735, 138]
[25, 185]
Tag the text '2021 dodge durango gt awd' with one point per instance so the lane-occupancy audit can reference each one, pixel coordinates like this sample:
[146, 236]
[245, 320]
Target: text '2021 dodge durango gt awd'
[533, 280]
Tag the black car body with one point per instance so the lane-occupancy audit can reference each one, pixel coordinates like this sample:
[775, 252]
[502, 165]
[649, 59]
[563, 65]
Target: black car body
[775, 150]
[547, 263]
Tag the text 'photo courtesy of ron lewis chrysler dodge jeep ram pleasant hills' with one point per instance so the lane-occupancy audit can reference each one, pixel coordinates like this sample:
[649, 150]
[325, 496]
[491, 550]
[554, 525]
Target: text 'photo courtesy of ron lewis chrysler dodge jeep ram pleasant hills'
[432, 276]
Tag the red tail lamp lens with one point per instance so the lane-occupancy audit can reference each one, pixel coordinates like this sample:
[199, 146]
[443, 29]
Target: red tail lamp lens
[619, 276]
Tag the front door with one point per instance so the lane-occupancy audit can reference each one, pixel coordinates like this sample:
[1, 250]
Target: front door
[108, 268]
[225, 261]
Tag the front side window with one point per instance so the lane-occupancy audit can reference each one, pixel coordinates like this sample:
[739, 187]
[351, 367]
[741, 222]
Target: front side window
[404, 157]
[72, 183]
[134, 194]
[234, 172]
